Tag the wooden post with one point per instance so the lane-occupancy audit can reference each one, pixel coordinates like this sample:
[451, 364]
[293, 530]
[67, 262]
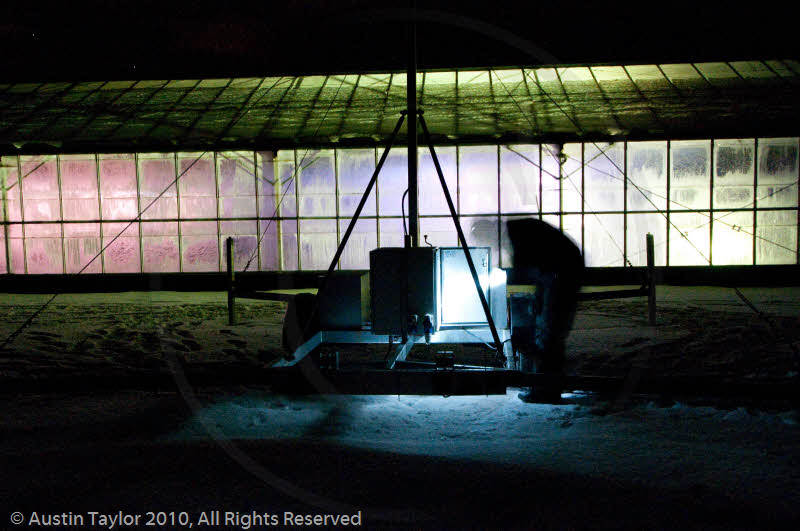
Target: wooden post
[651, 280]
[229, 265]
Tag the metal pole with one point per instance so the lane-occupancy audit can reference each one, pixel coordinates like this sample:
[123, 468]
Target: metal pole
[461, 238]
[411, 97]
[230, 276]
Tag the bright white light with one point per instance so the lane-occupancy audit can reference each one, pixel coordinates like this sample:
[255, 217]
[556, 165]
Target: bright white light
[497, 278]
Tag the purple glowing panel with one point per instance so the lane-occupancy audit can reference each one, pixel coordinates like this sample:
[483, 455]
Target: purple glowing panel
[40, 189]
[477, 180]
[289, 246]
[199, 246]
[43, 248]
[284, 190]
[245, 240]
[3, 254]
[551, 178]
[571, 180]
[391, 232]
[317, 184]
[79, 188]
[197, 186]
[441, 232]
[392, 182]
[363, 239]
[123, 255]
[317, 243]
[160, 247]
[265, 176]
[81, 246]
[431, 195]
[157, 175]
[269, 249]
[118, 187]
[16, 258]
[519, 179]
[8, 179]
[237, 184]
[356, 167]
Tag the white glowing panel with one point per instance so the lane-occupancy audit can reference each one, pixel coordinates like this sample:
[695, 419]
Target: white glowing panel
[459, 303]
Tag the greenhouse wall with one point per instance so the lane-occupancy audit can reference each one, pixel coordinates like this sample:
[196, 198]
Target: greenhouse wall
[711, 202]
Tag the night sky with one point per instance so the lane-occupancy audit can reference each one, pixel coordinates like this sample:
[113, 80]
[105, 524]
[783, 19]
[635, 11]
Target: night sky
[126, 39]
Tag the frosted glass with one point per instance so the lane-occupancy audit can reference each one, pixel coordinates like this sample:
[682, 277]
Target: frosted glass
[551, 183]
[392, 182]
[647, 170]
[122, 256]
[160, 247]
[363, 239]
[690, 175]
[571, 199]
[317, 243]
[638, 227]
[391, 232]
[289, 246]
[269, 249]
[482, 232]
[3, 254]
[604, 179]
[777, 237]
[245, 241]
[197, 186]
[285, 185]
[431, 195]
[732, 238]
[694, 249]
[441, 232]
[199, 246]
[572, 228]
[777, 172]
[79, 187]
[477, 179]
[267, 187]
[604, 237]
[317, 184]
[118, 187]
[733, 174]
[15, 249]
[40, 189]
[43, 250]
[356, 167]
[81, 245]
[519, 179]
[8, 179]
[156, 173]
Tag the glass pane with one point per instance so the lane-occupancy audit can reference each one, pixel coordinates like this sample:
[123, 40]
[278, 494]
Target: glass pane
[269, 249]
[391, 232]
[43, 250]
[15, 249]
[732, 239]
[199, 246]
[237, 185]
[267, 185]
[79, 188]
[3, 254]
[8, 179]
[483, 232]
[356, 167]
[638, 227]
[776, 241]
[122, 256]
[81, 246]
[392, 182]
[777, 172]
[690, 246]
[477, 180]
[363, 239]
[197, 186]
[603, 246]
[647, 176]
[733, 173]
[604, 178]
[289, 246]
[157, 175]
[440, 232]
[431, 195]
[245, 240]
[572, 229]
[571, 171]
[317, 184]
[118, 187]
[519, 179]
[551, 178]
[160, 247]
[40, 188]
[286, 184]
[317, 243]
[690, 178]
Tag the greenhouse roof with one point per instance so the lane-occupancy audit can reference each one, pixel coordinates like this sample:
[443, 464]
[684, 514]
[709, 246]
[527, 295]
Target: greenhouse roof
[564, 103]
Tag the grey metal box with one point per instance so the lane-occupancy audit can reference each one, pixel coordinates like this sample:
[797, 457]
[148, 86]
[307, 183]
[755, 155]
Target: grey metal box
[402, 282]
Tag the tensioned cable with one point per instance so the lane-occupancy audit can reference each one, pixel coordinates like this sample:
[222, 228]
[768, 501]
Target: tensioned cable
[30, 319]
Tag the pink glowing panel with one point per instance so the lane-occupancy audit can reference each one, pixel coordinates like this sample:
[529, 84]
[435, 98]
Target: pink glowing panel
[157, 175]
[283, 188]
[81, 246]
[121, 255]
[317, 243]
[519, 179]
[79, 187]
[43, 248]
[237, 184]
[289, 246]
[245, 238]
[8, 179]
[118, 187]
[16, 258]
[363, 239]
[3, 254]
[197, 186]
[267, 165]
[40, 189]
[269, 249]
[477, 179]
[431, 195]
[356, 167]
[160, 247]
[200, 246]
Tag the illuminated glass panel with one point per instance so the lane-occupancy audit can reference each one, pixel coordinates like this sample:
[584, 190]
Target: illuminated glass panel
[118, 187]
[285, 185]
[199, 246]
[638, 227]
[269, 248]
[693, 249]
[431, 195]
[3, 264]
[157, 175]
[317, 243]
[732, 238]
[604, 177]
[43, 248]
[197, 186]
[79, 187]
[362, 240]
[121, 256]
[777, 172]
[160, 247]
[40, 188]
[237, 185]
[776, 241]
[8, 179]
[647, 176]
[519, 179]
[356, 167]
[391, 232]
[244, 241]
[477, 180]
[572, 175]
[604, 240]
[268, 199]
[733, 174]
[690, 178]
[81, 245]
[317, 183]
[551, 175]
[16, 249]
[289, 246]
[483, 232]
[392, 182]
[440, 231]
[572, 228]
